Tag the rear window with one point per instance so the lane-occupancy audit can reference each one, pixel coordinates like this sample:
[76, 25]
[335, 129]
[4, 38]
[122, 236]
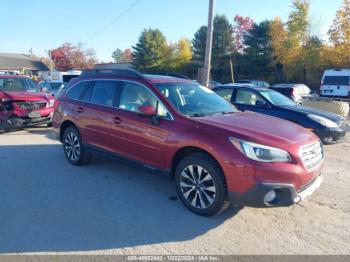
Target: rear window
[337, 80]
[282, 90]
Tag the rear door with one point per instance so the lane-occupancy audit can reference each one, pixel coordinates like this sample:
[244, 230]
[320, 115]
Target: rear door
[98, 110]
[335, 86]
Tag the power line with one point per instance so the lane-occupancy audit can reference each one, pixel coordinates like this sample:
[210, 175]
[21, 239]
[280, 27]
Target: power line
[114, 20]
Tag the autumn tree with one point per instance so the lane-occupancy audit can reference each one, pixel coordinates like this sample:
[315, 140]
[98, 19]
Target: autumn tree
[240, 30]
[122, 56]
[339, 35]
[68, 57]
[181, 55]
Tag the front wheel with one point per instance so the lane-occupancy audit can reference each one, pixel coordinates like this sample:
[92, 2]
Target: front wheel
[200, 184]
[73, 147]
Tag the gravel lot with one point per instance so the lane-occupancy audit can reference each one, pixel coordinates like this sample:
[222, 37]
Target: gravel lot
[49, 206]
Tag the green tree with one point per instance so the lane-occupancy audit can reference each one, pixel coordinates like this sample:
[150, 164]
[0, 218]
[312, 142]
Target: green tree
[258, 51]
[151, 53]
[223, 46]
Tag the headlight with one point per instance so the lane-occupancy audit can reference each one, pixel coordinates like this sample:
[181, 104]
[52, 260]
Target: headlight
[51, 102]
[323, 121]
[261, 153]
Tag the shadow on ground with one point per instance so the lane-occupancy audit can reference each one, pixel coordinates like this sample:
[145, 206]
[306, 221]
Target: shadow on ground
[48, 205]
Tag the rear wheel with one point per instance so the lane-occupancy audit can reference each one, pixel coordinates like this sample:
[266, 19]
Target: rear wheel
[73, 147]
[200, 184]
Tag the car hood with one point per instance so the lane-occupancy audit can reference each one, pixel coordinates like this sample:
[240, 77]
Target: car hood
[260, 128]
[309, 110]
[25, 96]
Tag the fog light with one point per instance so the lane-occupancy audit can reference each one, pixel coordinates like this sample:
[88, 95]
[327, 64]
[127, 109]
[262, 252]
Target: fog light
[328, 139]
[270, 197]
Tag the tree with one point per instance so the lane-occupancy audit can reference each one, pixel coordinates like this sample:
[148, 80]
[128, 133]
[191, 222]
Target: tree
[240, 30]
[181, 55]
[151, 51]
[122, 56]
[256, 61]
[223, 46]
[68, 57]
[339, 35]
[339, 32]
[278, 35]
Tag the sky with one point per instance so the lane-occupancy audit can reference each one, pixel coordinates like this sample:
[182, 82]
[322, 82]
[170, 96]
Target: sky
[41, 25]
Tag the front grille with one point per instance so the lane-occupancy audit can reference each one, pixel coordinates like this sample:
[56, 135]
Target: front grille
[312, 155]
[30, 106]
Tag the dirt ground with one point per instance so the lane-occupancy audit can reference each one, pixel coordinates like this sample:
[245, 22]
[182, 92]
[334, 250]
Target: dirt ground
[48, 206]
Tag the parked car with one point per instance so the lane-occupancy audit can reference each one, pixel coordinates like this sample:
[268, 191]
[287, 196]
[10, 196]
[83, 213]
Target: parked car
[22, 104]
[296, 92]
[172, 126]
[257, 83]
[336, 83]
[328, 126]
[52, 87]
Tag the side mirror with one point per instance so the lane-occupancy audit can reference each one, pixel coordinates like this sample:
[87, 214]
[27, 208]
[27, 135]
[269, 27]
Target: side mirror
[147, 111]
[261, 103]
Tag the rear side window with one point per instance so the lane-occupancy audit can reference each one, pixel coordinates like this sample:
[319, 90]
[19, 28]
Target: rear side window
[76, 91]
[104, 93]
[337, 80]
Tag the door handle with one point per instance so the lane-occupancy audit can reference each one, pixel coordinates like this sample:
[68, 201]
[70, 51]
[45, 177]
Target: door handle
[117, 120]
[79, 110]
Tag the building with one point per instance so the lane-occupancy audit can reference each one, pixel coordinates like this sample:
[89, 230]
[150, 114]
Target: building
[23, 64]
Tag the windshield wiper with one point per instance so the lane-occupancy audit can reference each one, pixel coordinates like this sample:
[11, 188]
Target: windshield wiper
[223, 113]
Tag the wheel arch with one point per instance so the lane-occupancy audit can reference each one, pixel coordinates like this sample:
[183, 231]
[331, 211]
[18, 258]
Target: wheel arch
[66, 124]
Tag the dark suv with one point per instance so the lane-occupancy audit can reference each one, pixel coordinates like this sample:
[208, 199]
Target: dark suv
[172, 126]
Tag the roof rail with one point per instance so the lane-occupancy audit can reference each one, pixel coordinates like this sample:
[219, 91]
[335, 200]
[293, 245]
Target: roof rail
[113, 72]
[171, 74]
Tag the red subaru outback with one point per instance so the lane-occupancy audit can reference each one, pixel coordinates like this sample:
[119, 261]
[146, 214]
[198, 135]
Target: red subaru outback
[175, 126]
[22, 104]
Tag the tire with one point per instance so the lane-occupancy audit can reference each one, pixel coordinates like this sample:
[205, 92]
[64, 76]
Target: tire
[73, 147]
[207, 198]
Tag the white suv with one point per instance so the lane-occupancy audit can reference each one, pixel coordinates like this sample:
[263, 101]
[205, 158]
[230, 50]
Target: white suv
[336, 83]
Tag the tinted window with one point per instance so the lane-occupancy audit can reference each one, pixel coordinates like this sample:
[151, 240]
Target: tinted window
[225, 93]
[76, 91]
[247, 97]
[135, 95]
[337, 80]
[104, 93]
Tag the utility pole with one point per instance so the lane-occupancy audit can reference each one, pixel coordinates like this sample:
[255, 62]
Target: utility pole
[209, 44]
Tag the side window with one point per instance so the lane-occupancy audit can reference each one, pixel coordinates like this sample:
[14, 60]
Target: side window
[247, 97]
[104, 93]
[76, 91]
[225, 93]
[135, 95]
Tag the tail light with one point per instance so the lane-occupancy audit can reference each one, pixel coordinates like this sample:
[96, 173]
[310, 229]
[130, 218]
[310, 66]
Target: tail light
[293, 92]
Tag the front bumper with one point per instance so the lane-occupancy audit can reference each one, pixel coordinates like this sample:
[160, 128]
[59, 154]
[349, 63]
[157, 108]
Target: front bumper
[11, 123]
[286, 194]
[332, 135]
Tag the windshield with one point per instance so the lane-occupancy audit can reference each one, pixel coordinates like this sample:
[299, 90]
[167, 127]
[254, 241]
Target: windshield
[276, 98]
[17, 85]
[194, 100]
[337, 80]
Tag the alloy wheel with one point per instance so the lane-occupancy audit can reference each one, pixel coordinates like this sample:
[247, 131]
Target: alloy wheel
[197, 186]
[72, 146]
